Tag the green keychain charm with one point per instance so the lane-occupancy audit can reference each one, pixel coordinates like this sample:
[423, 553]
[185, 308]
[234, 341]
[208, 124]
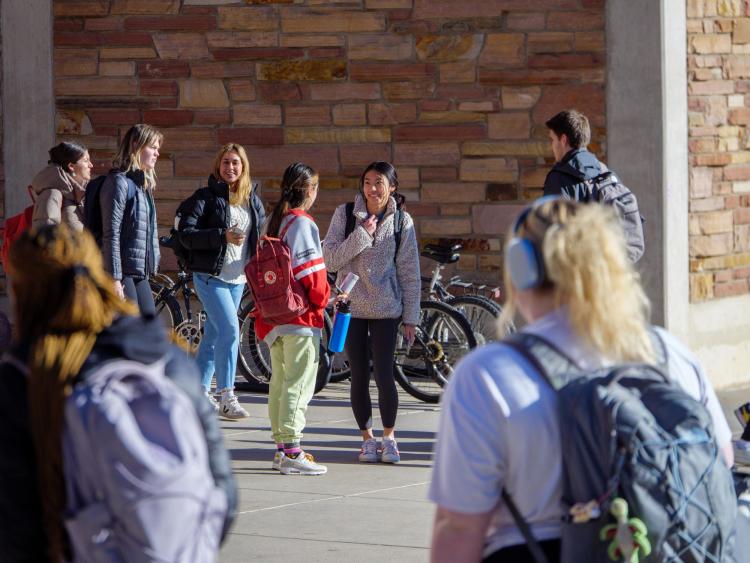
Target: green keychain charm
[628, 536]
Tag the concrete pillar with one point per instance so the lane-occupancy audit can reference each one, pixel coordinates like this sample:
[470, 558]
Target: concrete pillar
[27, 95]
[647, 138]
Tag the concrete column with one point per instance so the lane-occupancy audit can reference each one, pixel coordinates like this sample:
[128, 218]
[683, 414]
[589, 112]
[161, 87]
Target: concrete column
[647, 139]
[27, 95]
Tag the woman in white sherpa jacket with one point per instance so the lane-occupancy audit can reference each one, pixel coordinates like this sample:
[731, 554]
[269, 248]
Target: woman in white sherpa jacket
[387, 294]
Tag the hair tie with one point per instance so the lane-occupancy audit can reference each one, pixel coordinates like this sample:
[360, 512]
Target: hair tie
[78, 270]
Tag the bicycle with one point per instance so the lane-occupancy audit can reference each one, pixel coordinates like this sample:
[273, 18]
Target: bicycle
[481, 312]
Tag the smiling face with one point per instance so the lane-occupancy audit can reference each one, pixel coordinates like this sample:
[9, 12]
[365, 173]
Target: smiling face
[149, 155]
[230, 167]
[81, 169]
[377, 189]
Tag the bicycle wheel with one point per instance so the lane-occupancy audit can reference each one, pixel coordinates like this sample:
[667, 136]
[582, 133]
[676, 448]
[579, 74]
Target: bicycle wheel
[340, 370]
[167, 306]
[255, 356]
[443, 337]
[482, 315]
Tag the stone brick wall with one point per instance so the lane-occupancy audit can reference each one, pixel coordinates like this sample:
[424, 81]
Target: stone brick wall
[455, 93]
[719, 144]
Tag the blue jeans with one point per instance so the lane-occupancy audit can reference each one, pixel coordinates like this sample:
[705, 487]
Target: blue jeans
[218, 349]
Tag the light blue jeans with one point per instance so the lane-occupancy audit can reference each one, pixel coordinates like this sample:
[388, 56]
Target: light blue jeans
[217, 353]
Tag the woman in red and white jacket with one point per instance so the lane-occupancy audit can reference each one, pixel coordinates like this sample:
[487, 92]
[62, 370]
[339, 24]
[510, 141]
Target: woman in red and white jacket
[295, 346]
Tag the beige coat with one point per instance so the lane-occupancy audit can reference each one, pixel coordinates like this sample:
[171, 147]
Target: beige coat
[59, 198]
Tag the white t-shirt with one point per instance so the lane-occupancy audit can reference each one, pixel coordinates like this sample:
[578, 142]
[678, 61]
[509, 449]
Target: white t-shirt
[499, 428]
[233, 270]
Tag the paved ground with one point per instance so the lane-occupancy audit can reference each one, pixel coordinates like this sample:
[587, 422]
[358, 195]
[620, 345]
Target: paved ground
[356, 513]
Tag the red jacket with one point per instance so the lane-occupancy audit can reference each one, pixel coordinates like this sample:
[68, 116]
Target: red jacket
[303, 239]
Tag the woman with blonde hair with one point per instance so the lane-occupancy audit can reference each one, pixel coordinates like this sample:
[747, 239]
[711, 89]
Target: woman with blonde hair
[568, 275]
[69, 320]
[219, 227]
[129, 239]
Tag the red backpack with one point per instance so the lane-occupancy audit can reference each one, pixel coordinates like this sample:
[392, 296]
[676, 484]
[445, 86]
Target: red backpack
[279, 297]
[13, 228]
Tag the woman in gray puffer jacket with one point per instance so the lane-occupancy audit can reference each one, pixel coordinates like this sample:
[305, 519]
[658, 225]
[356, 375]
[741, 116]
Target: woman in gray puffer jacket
[129, 240]
[61, 186]
[386, 295]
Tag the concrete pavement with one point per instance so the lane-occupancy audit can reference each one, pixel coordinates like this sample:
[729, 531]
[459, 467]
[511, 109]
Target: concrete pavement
[356, 512]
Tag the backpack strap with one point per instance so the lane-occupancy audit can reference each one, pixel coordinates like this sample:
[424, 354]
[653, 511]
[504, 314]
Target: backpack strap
[351, 220]
[553, 365]
[286, 227]
[398, 225]
[523, 526]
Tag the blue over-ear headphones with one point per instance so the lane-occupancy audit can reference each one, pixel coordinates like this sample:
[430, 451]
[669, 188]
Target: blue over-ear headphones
[523, 258]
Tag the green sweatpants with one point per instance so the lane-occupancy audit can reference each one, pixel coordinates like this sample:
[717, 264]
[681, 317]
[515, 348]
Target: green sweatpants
[294, 367]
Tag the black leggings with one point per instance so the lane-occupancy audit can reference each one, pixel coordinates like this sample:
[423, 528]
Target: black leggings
[381, 345]
[139, 290]
[521, 554]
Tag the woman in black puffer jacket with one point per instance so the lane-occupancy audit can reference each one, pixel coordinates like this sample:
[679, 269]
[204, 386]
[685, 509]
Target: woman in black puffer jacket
[219, 228]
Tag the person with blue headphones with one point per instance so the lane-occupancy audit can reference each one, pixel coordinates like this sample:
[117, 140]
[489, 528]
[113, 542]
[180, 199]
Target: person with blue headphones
[568, 275]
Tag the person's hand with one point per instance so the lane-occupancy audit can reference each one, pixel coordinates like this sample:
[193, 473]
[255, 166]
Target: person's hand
[341, 297]
[370, 224]
[119, 290]
[410, 333]
[235, 236]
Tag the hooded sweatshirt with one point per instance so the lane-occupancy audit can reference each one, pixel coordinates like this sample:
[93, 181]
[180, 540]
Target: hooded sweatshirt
[576, 166]
[59, 198]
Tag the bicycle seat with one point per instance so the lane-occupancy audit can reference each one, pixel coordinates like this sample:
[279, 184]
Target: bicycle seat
[442, 254]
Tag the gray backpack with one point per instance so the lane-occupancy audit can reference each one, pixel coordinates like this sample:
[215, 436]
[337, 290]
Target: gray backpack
[628, 431]
[607, 189]
[138, 483]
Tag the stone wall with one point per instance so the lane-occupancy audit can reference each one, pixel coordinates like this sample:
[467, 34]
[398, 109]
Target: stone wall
[719, 144]
[455, 93]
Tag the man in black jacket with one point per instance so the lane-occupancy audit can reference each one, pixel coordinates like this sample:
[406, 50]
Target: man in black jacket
[569, 134]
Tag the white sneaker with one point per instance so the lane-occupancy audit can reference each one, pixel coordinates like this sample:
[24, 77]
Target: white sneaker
[277, 457]
[212, 400]
[231, 408]
[303, 464]
[369, 451]
[741, 452]
[390, 452]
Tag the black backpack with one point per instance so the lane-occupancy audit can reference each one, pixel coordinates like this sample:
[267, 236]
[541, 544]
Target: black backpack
[172, 240]
[606, 188]
[628, 432]
[398, 224]
[92, 205]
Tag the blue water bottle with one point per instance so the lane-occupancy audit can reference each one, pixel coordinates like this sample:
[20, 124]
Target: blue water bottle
[340, 328]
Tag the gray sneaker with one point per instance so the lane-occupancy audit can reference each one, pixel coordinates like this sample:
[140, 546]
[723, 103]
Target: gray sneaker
[390, 452]
[213, 401]
[277, 457]
[303, 464]
[369, 451]
[231, 408]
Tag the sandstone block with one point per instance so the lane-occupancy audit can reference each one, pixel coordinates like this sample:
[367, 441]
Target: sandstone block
[190, 139]
[449, 48]
[741, 33]
[701, 8]
[515, 125]
[257, 114]
[575, 20]
[127, 53]
[550, 42]
[248, 18]
[337, 21]
[742, 216]
[525, 21]
[453, 192]
[426, 154]
[520, 98]
[115, 87]
[213, 117]
[279, 91]
[701, 182]
[168, 117]
[163, 69]
[301, 70]
[459, 116]
[424, 9]
[439, 174]
[463, 71]
[735, 172]
[170, 23]
[380, 47]
[503, 49]
[117, 68]
[471, 107]
[740, 116]
[119, 117]
[439, 132]
[502, 192]
[345, 91]
[741, 187]
[714, 222]
[203, 94]
[589, 41]
[729, 8]
[388, 4]
[350, 114]
[271, 161]
[83, 8]
[701, 287]
[240, 39]
[306, 115]
[242, 90]
[588, 98]
[76, 66]
[358, 156]
[494, 219]
[159, 7]
[507, 148]
[390, 71]
[391, 114]
[196, 164]
[295, 135]
[707, 204]
[302, 40]
[533, 177]
[489, 170]
[711, 43]
[711, 245]
[72, 122]
[445, 227]
[181, 45]
[252, 136]
[411, 90]
[730, 289]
